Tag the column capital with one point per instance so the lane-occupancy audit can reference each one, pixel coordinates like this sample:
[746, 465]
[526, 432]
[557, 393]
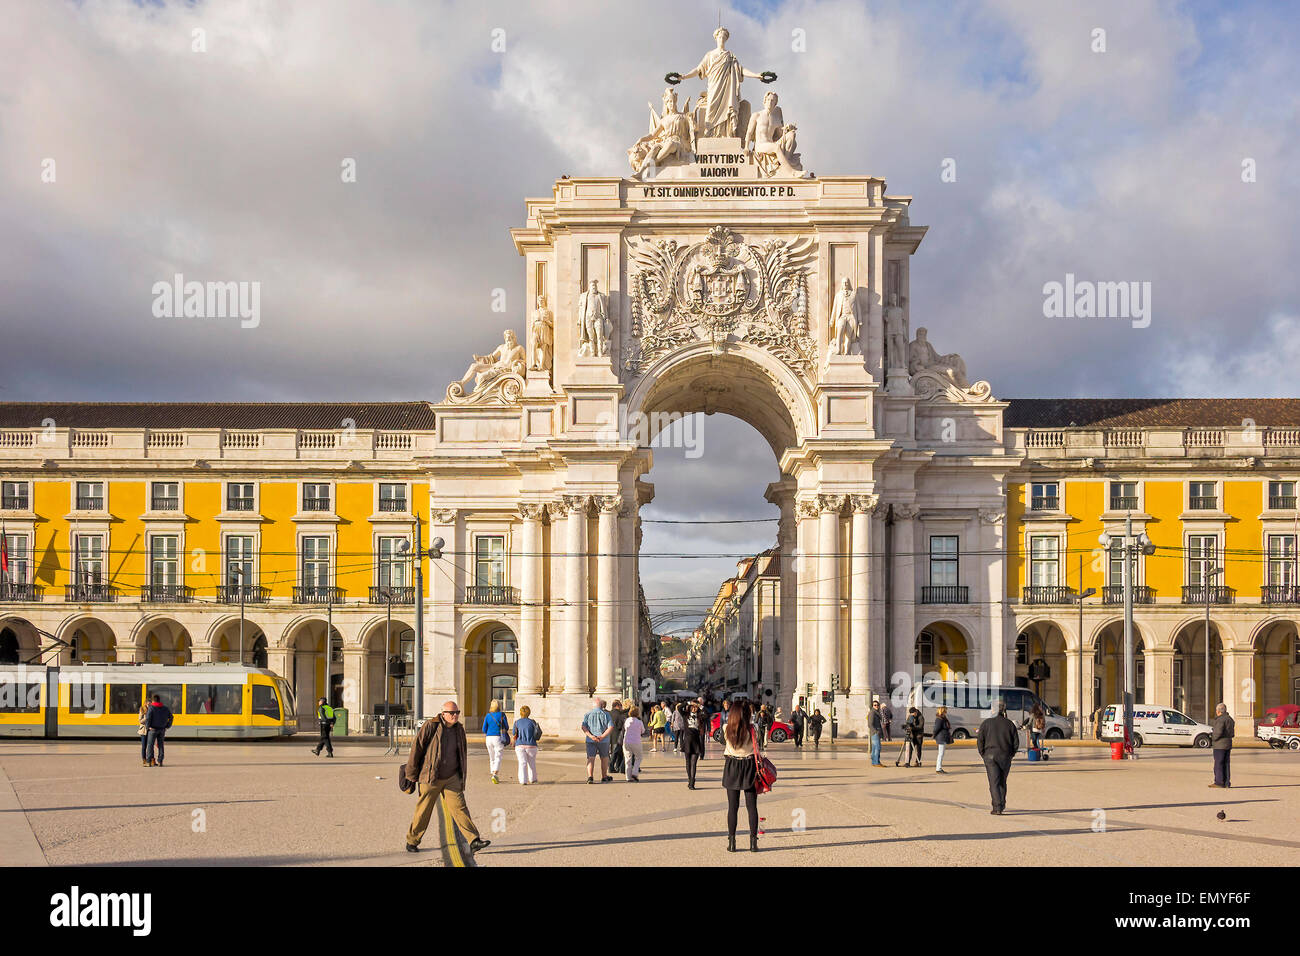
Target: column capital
[806, 508]
[532, 510]
[832, 504]
[609, 504]
[864, 504]
[906, 511]
[578, 503]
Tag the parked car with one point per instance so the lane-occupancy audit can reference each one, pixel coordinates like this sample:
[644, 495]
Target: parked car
[780, 733]
[1280, 726]
[1156, 725]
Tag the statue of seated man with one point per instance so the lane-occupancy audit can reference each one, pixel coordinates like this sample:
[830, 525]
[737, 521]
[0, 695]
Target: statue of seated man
[670, 140]
[771, 142]
[509, 356]
[921, 357]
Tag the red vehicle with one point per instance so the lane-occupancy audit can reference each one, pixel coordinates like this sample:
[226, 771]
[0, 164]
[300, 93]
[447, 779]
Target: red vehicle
[781, 731]
[1280, 726]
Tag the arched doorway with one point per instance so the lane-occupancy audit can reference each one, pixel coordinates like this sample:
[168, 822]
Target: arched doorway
[163, 641]
[491, 671]
[19, 641]
[226, 642]
[381, 643]
[90, 641]
[1189, 671]
[941, 648]
[307, 665]
[1277, 653]
[1043, 641]
[1108, 667]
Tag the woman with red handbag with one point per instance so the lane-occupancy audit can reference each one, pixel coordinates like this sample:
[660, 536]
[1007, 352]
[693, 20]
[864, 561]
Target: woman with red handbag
[741, 771]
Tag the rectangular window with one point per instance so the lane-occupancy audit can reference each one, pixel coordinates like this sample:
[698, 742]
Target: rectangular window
[1281, 560]
[1123, 496]
[1201, 550]
[165, 496]
[316, 562]
[125, 698]
[1282, 494]
[264, 702]
[1044, 560]
[943, 560]
[14, 495]
[16, 546]
[19, 697]
[169, 694]
[490, 560]
[1043, 496]
[1202, 496]
[85, 697]
[164, 559]
[239, 497]
[1116, 577]
[214, 699]
[392, 497]
[393, 565]
[90, 496]
[90, 559]
[239, 561]
[315, 497]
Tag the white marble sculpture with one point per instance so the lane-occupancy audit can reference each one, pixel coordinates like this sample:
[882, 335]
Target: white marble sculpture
[722, 74]
[543, 336]
[508, 361]
[921, 357]
[593, 319]
[771, 142]
[671, 140]
[896, 351]
[845, 322]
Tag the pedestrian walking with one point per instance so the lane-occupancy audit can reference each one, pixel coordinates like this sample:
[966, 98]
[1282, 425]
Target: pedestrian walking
[325, 719]
[1096, 724]
[765, 720]
[617, 718]
[632, 733]
[439, 763]
[670, 714]
[942, 736]
[657, 721]
[159, 720]
[997, 743]
[739, 772]
[527, 734]
[676, 724]
[887, 715]
[815, 724]
[797, 721]
[876, 725]
[596, 727]
[143, 731]
[1221, 741]
[496, 733]
[694, 727]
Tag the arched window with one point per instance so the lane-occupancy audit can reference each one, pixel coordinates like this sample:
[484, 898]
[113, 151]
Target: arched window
[8, 647]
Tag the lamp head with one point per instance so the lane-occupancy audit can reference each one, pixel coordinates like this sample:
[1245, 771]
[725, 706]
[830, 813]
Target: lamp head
[1104, 539]
[435, 548]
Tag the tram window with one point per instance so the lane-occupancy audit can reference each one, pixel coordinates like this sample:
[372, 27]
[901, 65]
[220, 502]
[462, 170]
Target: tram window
[170, 694]
[214, 699]
[124, 698]
[85, 697]
[19, 698]
[264, 702]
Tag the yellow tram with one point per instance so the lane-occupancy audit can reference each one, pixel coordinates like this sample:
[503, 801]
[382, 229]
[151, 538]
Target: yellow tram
[215, 701]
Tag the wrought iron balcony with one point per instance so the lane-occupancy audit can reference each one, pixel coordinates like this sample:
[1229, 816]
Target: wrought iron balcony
[945, 594]
[1280, 594]
[392, 504]
[90, 502]
[1123, 502]
[252, 594]
[491, 594]
[1275, 502]
[165, 503]
[89, 593]
[1203, 503]
[19, 502]
[1048, 594]
[401, 595]
[317, 594]
[1114, 594]
[21, 592]
[1045, 503]
[1214, 594]
[239, 504]
[166, 594]
[315, 504]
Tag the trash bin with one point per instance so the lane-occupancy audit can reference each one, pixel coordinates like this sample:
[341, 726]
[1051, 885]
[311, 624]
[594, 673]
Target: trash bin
[1117, 750]
[340, 722]
[1035, 754]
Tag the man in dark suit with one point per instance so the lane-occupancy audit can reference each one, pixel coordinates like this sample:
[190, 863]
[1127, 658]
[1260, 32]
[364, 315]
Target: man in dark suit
[1224, 728]
[997, 743]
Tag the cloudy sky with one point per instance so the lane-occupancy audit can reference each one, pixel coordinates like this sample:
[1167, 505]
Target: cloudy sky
[1122, 165]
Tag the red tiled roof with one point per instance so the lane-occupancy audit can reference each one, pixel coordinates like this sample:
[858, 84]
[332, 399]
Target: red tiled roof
[402, 416]
[1150, 412]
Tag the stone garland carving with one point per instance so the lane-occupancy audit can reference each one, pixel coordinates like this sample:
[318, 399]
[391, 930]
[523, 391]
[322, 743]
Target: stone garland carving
[498, 376]
[444, 515]
[721, 287]
[864, 504]
[992, 516]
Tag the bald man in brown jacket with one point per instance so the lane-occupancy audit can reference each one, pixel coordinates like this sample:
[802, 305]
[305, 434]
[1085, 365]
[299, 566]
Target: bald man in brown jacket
[438, 763]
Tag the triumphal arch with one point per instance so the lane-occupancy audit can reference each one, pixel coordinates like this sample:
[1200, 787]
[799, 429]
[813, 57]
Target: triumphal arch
[717, 273]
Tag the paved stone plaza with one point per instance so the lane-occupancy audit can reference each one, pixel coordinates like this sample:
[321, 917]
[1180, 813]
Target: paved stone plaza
[84, 802]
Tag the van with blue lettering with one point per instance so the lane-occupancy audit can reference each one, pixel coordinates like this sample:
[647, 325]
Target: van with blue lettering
[1153, 724]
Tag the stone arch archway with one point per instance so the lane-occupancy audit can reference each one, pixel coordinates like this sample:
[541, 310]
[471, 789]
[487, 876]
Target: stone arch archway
[942, 647]
[20, 642]
[1276, 670]
[491, 670]
[1045, 640]
[1108, 677]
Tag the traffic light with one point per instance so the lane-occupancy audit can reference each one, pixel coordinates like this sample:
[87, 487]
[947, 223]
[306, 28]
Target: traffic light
[835, 684]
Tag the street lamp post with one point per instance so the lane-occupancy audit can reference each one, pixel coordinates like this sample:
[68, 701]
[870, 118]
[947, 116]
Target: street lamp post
[1207, 572]
[239, 571]
[1079, 671]
[1130, 549]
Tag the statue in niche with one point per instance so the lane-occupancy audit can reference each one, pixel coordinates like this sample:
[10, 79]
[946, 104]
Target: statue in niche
[722, 73]
[896, 351]
[845, 323]
[921, 357]
[593, 320]
[671, 140]
[508, 357]
[543, 336]
[771, 143]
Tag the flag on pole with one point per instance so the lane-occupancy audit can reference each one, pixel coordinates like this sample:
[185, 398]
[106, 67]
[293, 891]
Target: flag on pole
[4, 556]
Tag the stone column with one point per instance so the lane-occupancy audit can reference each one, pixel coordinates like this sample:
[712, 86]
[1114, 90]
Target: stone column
[906, 595]
[859, 590]
[806, 511]
[530, 608]
[1238, 664]
[355, 698]
[627, 620]
[575, 595]
[878, 638]
[1160, 676]
[828, 574]
[607, 592]
[994, 561]
[441, 675]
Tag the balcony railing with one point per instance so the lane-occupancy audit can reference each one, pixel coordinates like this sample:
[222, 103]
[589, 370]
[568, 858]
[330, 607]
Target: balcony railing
[945, 594]
[166, 594]
[89, 593]
[1046, 503]
[1280, 594]
[392, 504]
[315, 504]
[1123, 502]
[90, 502]
[1214, 594]
[252, 594]
[491, 594]
[1114, 594]
[1048, 594]
[21, 592]
[1202, 503]
[1276, 502]
[239, 504]
[19, 502]
[401, 595]
[164, 503]
[317, 594]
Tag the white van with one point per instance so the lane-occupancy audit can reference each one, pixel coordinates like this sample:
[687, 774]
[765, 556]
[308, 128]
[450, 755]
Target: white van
[1156, 725]
[968, 705]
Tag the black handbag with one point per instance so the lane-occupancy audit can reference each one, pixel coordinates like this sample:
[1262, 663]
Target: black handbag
[404, 783]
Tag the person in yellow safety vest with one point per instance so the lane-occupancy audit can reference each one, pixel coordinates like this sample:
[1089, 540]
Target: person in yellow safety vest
[325, 713]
